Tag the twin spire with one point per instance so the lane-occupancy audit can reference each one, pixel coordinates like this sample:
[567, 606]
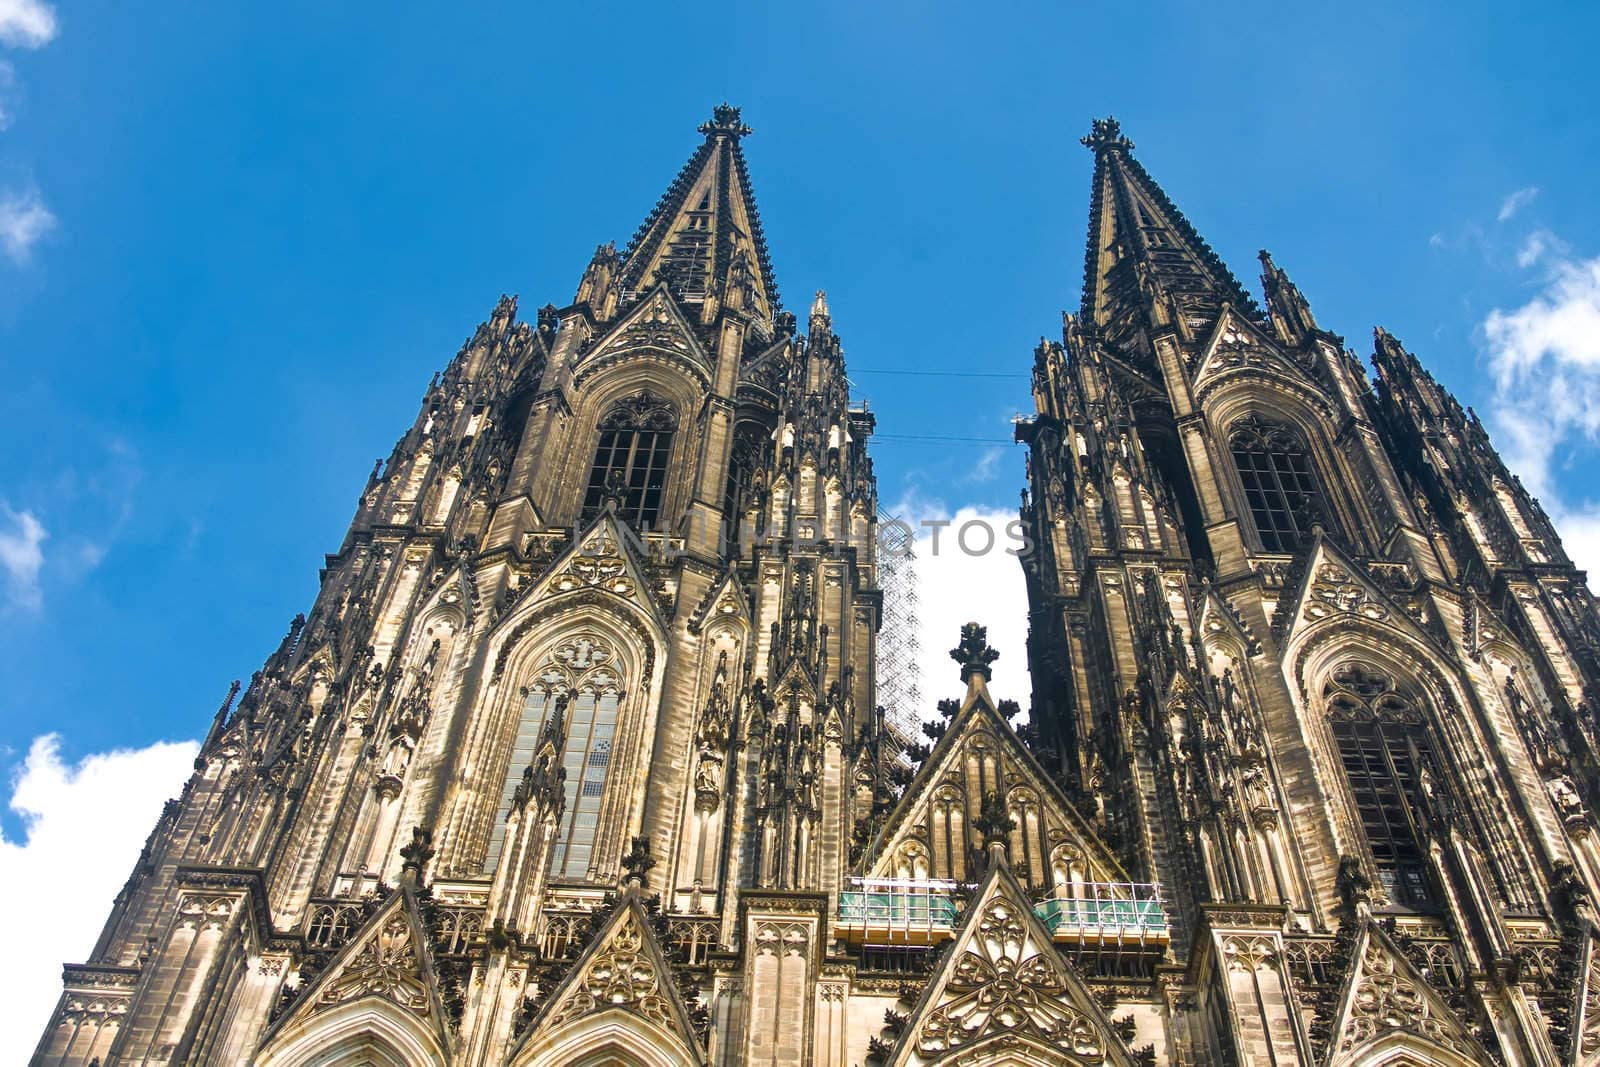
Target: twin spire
[704, 239]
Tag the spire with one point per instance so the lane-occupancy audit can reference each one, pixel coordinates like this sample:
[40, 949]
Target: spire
[1291, 314]
[704, 236]
[1140, 245]
[821, 318]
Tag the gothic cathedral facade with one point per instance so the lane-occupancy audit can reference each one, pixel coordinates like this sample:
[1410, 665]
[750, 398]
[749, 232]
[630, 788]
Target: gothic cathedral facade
[576, 757]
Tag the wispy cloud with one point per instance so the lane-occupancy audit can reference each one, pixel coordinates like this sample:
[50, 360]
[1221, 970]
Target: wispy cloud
[10, 90]
[22, 536]
[1544, 357]
[987, 465]
[83, 824]
[27, 23]
[23, 217]
[1516, 202]
[23, 220]
[1537, 245]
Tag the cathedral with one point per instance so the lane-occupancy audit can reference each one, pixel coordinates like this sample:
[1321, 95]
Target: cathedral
[576, 759]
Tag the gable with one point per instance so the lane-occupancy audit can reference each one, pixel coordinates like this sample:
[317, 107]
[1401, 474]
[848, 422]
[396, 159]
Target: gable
[601, 563]
[623, 969]
[1002, 981]
[1576, 1025]
[655, 325]
[1238, 346]
[981, 754]
[1333, 589]
[1385, 995]
[1218, 616]
[725, 599]
[387, 959]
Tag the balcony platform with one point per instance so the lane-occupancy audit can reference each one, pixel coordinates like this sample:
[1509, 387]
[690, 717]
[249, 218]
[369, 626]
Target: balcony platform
[1083, 916]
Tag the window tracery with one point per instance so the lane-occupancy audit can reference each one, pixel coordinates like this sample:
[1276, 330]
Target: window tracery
[1383, 745]
[584, 669]
[630, 460]
[1279, 486]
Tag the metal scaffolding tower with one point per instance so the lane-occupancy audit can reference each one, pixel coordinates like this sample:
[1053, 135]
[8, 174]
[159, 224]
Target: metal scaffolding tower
[899, 646]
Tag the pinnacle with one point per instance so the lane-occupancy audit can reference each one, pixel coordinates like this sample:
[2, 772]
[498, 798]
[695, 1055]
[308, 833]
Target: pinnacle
[819, 306]
[725, 121]
[1106, 134]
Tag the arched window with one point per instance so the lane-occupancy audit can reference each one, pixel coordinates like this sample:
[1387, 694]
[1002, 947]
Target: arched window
[1383, 744]
[583, 669]
[631, 459]
[1279, 487]
[743, 460]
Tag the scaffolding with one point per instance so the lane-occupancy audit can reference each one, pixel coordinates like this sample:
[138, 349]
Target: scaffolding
[1123, 918]
[899, 645]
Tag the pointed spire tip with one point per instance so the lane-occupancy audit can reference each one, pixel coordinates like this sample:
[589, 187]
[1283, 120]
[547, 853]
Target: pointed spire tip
[1106, 133]
[819, 306]
[725, 120]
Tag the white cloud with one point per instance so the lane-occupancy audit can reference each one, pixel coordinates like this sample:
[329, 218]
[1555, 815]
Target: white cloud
[21, 556]
[1516, 202]
[957, 585]
[1545, 360]
[988, 464]
[27, 23]
[8, 93]
[85, 825]
[23, 220]
[1539, 243]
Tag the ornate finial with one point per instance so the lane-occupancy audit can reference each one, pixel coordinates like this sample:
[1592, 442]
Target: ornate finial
[417, 854]
[637, 863]
[725, 119]
[974, 653]
[549, 318]
[994, 820]
[819, 306]
[1107, 133]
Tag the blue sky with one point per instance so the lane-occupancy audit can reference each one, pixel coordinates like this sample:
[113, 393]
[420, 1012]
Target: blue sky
[272, 226]
[237, 240]
[270, 229]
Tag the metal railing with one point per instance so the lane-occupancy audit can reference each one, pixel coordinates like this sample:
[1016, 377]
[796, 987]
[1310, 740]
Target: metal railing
[1115, 909]
[893, 910]
[899, 909]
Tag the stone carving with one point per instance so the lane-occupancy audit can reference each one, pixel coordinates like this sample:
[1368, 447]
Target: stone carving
[1386, 999]
[387, 966]
[597, 565]
[654, 327]
[1002, 982]
[1336, 591]
[622, 974]
[1249, 953]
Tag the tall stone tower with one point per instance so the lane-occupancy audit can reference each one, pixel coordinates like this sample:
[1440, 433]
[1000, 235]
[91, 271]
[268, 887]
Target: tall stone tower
[1306, 654]
[576, 758]
[580, 719]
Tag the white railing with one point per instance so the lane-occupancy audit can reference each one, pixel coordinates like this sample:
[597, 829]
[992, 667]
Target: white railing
[1115, 908]
[900, 909]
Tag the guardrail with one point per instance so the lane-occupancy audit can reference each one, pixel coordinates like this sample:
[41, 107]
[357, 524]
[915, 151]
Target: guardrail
[922, 911]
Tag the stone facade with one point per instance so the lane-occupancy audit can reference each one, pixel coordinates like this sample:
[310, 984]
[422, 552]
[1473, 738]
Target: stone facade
[575, 759]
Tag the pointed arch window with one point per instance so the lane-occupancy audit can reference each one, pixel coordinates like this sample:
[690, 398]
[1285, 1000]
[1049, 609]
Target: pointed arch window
[584, 670]
[745, 457]
[1382, 741]
[1279, 486]
[631, 459]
